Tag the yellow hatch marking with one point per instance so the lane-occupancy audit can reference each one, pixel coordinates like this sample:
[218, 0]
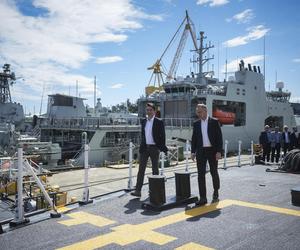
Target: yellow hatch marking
[63, 209]
[193, 246]
[82, 217]
[127, 233]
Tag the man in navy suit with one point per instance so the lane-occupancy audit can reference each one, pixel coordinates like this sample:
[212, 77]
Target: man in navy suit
[286, 139]
[265, 142]
[153, 140]
[207, 145]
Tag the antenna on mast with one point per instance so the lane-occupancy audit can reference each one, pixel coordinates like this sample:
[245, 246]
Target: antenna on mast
[76, 88]
[264, 58]
[41, 100]
[95, 84]
[226, 66]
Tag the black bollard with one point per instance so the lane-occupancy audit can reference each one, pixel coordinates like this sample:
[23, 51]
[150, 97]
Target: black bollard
[183, 186]
[295, 192]
[157, 192]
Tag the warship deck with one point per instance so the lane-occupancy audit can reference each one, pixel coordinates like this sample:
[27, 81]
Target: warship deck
[254, 212]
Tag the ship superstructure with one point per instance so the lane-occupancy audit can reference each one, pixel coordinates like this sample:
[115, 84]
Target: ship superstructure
[240, 103]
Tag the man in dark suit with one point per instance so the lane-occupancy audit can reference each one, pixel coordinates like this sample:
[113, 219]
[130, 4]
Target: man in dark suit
[286, 140]
[153, 140]
[265, 142]
[293, 139]
[207, 145]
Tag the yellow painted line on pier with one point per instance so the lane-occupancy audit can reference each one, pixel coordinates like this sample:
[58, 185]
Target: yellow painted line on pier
[63, 209]
[268, 208]
[127, 234]
[193, 246]
[82, 217]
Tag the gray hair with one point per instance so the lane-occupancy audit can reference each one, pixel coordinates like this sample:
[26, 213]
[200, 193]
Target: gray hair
[202, 106]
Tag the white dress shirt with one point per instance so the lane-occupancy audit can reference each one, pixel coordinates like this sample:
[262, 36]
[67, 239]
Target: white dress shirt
[205, 139]
[287, 140]
[148, 132]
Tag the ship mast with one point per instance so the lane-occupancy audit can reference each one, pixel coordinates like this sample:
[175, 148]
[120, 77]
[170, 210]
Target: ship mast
[6, 77]
[201, 60]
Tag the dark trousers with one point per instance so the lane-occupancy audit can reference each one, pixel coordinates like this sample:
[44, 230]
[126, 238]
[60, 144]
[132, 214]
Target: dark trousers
[202, 156]
[266, 151]
[277, 149]
[153, 153]
[286, 147]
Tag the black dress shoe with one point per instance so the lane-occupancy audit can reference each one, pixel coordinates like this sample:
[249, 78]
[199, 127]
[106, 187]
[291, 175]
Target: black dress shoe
[216, 195]
[136, 193]
[201, 202]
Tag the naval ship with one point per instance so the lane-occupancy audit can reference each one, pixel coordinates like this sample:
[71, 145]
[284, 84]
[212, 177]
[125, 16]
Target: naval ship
[241, 103]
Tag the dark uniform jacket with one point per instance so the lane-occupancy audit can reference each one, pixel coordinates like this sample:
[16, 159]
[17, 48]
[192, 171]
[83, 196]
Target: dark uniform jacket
[158, 133]
[214, 134]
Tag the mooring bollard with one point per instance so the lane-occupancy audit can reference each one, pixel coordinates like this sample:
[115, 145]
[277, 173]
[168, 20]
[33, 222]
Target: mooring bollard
[252, 154]
[239, 153]
[130, 184]
[85, 195]
[225, 154]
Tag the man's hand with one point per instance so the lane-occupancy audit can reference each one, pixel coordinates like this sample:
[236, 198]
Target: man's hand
[193, 156]
[218, 156]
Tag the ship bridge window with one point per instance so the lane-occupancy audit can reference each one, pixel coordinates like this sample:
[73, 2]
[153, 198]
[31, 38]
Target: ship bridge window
[230, 113]
[62, 101]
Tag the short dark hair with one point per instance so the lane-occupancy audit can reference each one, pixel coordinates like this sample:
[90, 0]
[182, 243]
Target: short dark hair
[151, 105]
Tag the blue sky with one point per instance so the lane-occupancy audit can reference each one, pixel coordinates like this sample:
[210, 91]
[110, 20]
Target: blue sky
[56, 43]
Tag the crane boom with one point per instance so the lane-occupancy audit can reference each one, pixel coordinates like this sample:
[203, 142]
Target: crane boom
[187, 29]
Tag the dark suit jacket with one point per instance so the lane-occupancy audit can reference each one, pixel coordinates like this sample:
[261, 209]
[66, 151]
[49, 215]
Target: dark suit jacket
[158, 133]
[283, 136]
[214, 134]
[293, 139]
[263, 138]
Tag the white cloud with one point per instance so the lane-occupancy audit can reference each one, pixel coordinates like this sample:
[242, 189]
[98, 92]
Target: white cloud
[254, 33]
[233, 65]
[117, 86]
[108, 59]
[46, 48]
[212, 3]
[296, 60]
[242, 17]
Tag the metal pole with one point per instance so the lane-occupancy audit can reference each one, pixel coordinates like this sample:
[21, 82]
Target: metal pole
[239, 153]
[225, 154]
[186, 154]
[41, 186]
[252, 153]
[19, 213]
[85, 196]
[130, 166]
[162, 163]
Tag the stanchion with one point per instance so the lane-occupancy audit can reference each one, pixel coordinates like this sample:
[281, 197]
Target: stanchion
[130, 183]
[162, 163]
[225, 154]
[85, 196]
[252, 154]
[239, 153]
[187, 153]
[19, 212]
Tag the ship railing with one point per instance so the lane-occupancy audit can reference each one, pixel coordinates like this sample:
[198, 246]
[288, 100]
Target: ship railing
[87, 122]
[178, 122]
